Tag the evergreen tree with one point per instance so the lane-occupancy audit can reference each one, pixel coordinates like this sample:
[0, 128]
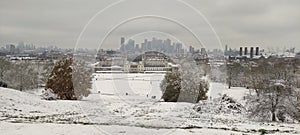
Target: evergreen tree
[171, 86]
[69, 80]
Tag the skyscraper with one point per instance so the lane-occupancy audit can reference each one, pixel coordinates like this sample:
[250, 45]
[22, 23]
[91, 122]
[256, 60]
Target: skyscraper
[122, 40]
[191, 49]
[122, 48]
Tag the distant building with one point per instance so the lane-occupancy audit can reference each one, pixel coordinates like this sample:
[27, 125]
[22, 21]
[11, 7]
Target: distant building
[191, 50]
[203, 51]
[145, 63]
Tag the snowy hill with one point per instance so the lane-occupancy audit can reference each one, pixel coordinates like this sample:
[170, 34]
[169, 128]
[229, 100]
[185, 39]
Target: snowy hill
[117, 113]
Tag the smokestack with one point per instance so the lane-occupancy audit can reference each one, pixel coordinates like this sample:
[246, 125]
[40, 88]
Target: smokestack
[251, 52]
[246, 51]
[241, 51]
[257, 51]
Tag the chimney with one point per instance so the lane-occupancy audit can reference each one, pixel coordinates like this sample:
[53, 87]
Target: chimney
[241, 51]
[257, 51]
[246, 51]
[251, 52]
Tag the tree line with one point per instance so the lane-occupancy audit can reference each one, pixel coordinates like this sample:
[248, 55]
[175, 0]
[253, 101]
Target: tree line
[25, 74]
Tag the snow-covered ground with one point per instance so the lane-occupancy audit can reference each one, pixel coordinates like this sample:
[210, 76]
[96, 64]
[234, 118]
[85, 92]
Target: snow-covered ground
[76, 129]
[139, 85]
[109, 110]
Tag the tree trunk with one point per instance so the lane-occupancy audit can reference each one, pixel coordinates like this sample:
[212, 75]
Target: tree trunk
[273, 116]
[229, 82]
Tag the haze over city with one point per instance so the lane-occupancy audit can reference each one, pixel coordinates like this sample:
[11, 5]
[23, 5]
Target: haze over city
[268, 24]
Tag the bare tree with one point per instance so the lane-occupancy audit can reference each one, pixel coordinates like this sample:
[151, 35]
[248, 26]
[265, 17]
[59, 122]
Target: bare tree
[4, 67]
[82, 79]
[234, 71]
[276, 95]
[45, 70]
[22, 76]
[193, 84]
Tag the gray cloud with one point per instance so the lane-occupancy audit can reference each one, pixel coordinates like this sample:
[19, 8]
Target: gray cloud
[268, 23]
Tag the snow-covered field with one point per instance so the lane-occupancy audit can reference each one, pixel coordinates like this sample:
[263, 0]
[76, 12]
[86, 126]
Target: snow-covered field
[126, 104]
[137, 85]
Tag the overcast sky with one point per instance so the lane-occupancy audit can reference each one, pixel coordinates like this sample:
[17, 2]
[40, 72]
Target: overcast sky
[271, 24]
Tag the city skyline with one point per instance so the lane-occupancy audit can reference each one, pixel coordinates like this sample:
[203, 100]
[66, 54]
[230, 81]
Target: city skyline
[139, 43]
[267, 24]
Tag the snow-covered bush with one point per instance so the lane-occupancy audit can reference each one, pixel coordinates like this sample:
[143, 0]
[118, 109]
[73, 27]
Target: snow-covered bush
[48, 94]
[221, 105]
[69, 80]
